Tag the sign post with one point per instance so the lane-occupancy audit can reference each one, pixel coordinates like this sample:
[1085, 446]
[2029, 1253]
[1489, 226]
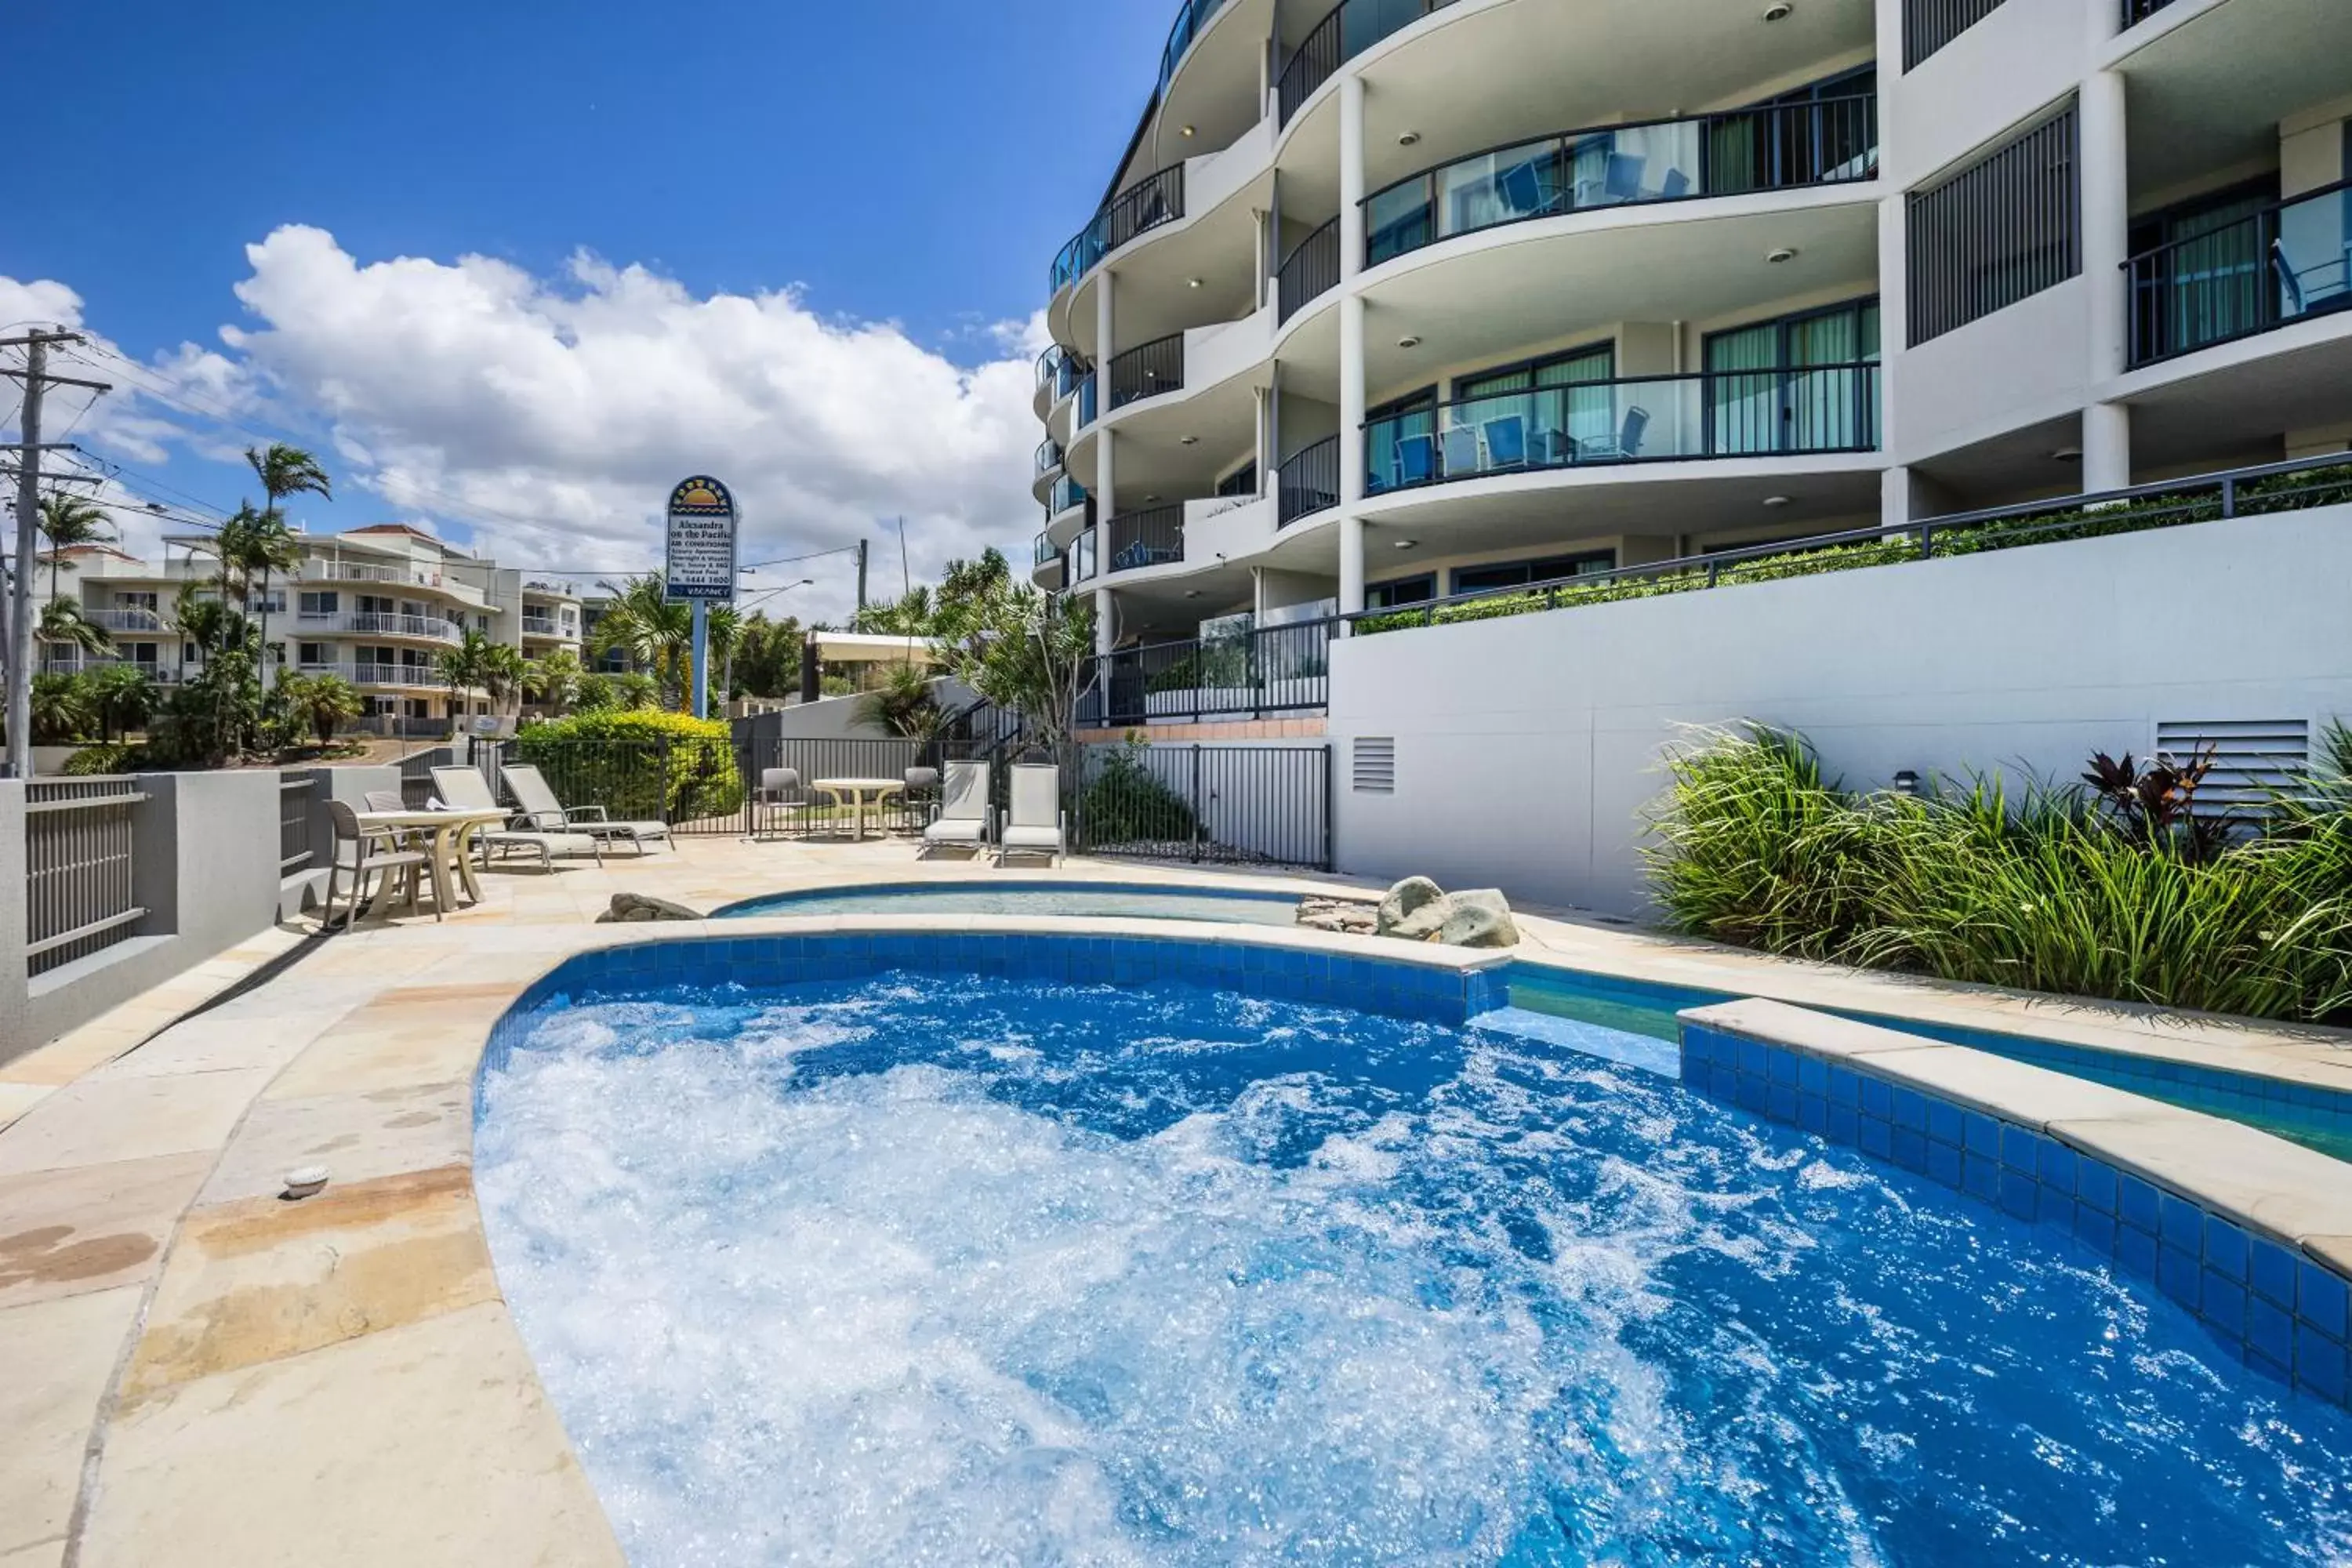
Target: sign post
[700, 564]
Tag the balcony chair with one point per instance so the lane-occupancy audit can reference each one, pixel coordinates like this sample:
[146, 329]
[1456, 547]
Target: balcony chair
[1521, 189]
[375, 852]
[781, 797]
[1461, 451]
[541, 809]
[965, 819]
[1627, 444]
[1036, 824]
[920, 801]
[1623, 182]
[1415, 456]
[1507, 442]
[463, 788]
[1675, 183]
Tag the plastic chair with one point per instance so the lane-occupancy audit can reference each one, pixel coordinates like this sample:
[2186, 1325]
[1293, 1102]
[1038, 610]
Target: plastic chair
[373, 854]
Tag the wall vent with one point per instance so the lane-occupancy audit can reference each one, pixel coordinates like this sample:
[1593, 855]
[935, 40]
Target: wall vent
[1375, 764]
[2252, 758]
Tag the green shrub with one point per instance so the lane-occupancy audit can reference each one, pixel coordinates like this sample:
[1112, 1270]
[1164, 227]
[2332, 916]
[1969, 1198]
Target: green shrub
[2033, 890]
[1127, 804]
[637, 763]
[106, 757]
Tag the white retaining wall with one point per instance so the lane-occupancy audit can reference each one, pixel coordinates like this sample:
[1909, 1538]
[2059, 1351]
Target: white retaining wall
[1527, 748]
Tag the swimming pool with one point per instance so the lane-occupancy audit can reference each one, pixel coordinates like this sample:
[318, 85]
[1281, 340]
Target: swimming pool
[1134, 900]
[986, 1250]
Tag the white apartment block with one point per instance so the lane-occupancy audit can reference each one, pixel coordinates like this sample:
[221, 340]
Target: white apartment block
[376, 605]
[1406, 298]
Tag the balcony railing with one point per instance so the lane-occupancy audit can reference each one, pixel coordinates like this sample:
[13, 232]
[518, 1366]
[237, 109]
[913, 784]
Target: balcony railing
[376, 624]
[2139, 11]
[1044, 549]
[1929, 24]
[2265, 271]
[1049, 457]
[131, 620]
[1148, 370]
[1151, 201]
[1726, 414]
[1082, 556]
[1352, 27]
[1191, 18]
[1779, 147]
[357, 572]
[1153, 537]
[1310, 271]
[413, 676]
[546, 627]
[1064, 493]
[1050, 366]
[84, 663]
[1084, 415]
[1273, 669]
[1306, 482]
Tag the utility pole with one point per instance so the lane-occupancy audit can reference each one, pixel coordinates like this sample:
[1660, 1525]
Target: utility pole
[28, 451]
[861, 578]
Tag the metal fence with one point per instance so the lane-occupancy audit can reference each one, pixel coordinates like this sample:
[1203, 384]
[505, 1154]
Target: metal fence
[1310, 272]
[1306, 482]
[293, 823]
[1148, 370]
[79, 844]
[1929, 24]
[2007, 226]
[1152, 537]
[1237, 805]
[1273, 669]
[1348, 30]
[1151, 201]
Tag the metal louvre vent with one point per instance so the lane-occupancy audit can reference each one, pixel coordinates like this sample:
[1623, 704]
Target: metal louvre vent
[2252, 758]
[1374, 760]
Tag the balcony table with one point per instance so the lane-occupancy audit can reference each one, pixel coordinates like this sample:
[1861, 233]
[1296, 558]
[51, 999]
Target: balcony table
[453, 832]
[857, 789]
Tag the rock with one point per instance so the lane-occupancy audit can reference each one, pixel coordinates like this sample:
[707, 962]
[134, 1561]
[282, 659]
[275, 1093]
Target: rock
[1424, 923]
[1480, 917]
[1351, 916]
[1412, 894]
[630, 908]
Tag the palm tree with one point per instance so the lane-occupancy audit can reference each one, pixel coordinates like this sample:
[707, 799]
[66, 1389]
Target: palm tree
[285, 471]
[268, 546]
[204, 622]
[60, 707]
[465, 666]
[552, 680]
[502, 675]
[63, 623]
[122, 697]
[68, 520]
[654, 631]
[323, 701]
[902, 704]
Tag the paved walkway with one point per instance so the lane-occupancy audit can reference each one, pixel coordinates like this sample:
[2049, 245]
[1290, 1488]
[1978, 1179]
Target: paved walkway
[196, 1372]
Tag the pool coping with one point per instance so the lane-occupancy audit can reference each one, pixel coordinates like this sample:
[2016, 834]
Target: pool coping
[273, 1321]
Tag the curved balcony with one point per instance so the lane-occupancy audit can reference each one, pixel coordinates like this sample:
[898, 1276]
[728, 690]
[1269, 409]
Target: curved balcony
[1306, 482]
[1192, 19]
[1046, 566]
[374, 624]
[1151, 201]
[2274, 268]
[1735, 152]
[1049, 457]
[1062, 495]
[1346, 31]
[1148, 370]
[130, 620]
[1152, 537]
[1635, 419]
[1083, 413]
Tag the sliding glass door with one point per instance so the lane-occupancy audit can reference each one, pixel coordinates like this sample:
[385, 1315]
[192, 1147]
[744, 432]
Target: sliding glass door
[1800, 384]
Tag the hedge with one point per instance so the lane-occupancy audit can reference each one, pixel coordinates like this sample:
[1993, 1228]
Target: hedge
[638, 764]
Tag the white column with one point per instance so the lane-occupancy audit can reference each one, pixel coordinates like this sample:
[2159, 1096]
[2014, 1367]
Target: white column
[1105, 476]
[1352, 453]
[2107, 245]
[1260, 397]
[1103, 630]
[1351, 176]
[1893, 323]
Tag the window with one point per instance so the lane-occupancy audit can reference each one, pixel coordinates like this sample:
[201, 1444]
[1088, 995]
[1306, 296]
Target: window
[312, 653]
[2213, 281]
[377, 604]
[144, 653]
[134, 601]
[322, 603]
[2001, 230]
[1400, 443]
[272, 602]
[1241, 481]
[1535, 413]
[1398, 591]
[1804, 383]
[1519, 573]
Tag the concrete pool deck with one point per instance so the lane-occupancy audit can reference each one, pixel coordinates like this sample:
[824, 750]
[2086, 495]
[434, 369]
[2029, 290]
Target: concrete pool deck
[195, 1371]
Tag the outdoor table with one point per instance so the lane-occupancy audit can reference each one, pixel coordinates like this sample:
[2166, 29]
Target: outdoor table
[452, 833]
[857, 789]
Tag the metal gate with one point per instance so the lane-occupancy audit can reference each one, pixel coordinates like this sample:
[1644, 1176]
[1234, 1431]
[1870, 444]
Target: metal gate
[1238, 805]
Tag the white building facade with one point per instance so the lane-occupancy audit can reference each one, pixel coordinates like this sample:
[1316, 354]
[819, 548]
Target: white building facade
[376, 605]
[1411, 299]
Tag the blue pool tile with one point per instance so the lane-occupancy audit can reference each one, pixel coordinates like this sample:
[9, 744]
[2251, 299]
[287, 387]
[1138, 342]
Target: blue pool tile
[2177, 1275]
[2136, 1251]
[1983, 1135]
[1911, 1149]
[1877, 1098]
[1781, 1066]
[1911, 1110]
[2319, 1363]
[1980, 1177]
[1944, 1123]
[1845, 1123]
[1944, 1162]
[2056, 1165]
[1845, 1087]
[1781, 1102]
[1877, 1138]
[2020, 1148]
[2019, 1194]
[1751, 1094]
[2222, 1303]
[2225, 1248]
[2095, 1229]
[2139, 1204]
[1813, 1075]
[1751, 1057]
[1813, 1113]
[2270, 1331]
[2321, 1298]
[2182, 1223]
[2095, 1182]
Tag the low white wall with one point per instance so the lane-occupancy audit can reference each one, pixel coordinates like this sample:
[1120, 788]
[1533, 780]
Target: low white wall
[1527, 748]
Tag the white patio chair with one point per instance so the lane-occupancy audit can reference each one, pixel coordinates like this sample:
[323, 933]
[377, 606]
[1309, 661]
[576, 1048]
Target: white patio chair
[373, 854]
[463, 788]
[965, 819]
[543, 811]
[1036, 824]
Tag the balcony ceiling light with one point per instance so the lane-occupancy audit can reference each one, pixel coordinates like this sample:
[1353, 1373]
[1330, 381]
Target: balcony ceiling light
[1406, 544]
[1187, 130]
[1191, 282]
[1778, 11]
[1188, 440]
[1409, 138]
[1410, 340]
[1776, 500]
[2068, 454]
[1779, 254]
[1191, 592]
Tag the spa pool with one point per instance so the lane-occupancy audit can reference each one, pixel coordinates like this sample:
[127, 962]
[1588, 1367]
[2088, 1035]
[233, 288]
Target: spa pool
[1112, 901]
[1044, 1250]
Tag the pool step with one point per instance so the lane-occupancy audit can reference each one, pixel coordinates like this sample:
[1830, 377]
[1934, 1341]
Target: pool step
[1660, 1057]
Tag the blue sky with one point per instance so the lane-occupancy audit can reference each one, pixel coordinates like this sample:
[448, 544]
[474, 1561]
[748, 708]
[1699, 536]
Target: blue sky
[915, 163]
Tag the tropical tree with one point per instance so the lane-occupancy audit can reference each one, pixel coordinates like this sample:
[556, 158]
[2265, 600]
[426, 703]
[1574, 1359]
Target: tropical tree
[902, 704]
[656, 632]
[61, 709]
[553, 679]
[634, 688]
[1032, 658]
[63, 623]
[286, 471]
[121, 698]
[321, 701]
[465, 668]
[65, 522]
[267, 547]
[767, 657]
[503, 674]
[231, 545]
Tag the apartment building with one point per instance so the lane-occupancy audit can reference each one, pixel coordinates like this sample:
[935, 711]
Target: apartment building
[376, 605]
[1408, 298]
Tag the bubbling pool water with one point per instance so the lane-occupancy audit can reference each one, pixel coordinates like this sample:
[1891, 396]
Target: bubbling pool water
[944, 1270]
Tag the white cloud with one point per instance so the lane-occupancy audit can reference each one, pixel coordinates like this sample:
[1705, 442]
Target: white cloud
[548, 418]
